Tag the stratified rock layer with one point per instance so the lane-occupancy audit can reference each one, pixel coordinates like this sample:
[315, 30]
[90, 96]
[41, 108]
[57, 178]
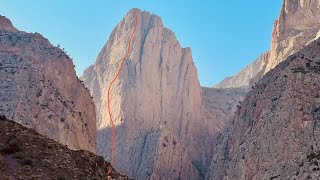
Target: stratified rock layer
[40, 90]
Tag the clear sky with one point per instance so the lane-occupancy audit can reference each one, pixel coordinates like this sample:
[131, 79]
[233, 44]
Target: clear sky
[224, 36]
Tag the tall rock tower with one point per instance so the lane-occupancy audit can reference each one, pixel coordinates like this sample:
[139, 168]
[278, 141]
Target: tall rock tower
[162, 129]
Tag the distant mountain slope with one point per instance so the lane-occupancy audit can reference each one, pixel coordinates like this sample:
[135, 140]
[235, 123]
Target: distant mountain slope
[25, 154]
[40, 90]
[242, 79]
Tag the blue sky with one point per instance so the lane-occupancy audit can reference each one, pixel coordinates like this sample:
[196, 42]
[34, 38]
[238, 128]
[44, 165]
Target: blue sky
[224, 36]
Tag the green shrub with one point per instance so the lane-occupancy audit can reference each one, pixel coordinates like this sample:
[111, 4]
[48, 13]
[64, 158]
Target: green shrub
[2, 161]
[12, 147]
[313, 155]
[4, 178]
[27, 170]
[2, 146]
[18, 155]
[27, 161]
[62, 176]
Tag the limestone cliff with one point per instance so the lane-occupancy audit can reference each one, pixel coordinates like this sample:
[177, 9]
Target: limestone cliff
[40, 90]
[276, 127]
[297, 25]
[275, 133]
[162, 129]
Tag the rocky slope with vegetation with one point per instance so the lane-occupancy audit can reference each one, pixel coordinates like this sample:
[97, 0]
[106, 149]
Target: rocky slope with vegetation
[275, 133]
[25, 154]
[40, 89]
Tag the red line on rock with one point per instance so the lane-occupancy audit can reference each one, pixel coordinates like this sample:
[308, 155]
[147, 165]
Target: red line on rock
[110, 86]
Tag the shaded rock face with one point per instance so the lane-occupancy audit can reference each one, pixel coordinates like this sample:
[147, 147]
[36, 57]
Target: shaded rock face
[242, 79]
[162, 129]
[40, 90]
[250, 151]
[275, 134]
[221, 104]
[25, 154]
[297, 25]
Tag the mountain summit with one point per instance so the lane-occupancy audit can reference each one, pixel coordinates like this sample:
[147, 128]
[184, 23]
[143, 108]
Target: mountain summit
[162, 129]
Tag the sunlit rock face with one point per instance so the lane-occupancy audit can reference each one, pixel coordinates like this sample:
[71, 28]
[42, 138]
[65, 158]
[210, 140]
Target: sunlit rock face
[6, 24]
[244, 77]
[297, 25]
[162, 129]
[40, 90]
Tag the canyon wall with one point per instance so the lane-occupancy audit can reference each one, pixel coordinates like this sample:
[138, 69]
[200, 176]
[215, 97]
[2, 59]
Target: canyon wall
[40, 90]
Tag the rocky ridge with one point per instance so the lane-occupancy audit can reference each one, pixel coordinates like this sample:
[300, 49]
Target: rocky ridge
[6, 24]
[242, 79]
[297, 25]
[40, 90]
[25, 154]
[275, 131]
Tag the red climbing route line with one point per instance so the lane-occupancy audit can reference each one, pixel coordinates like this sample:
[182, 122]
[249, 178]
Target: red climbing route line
[110, 86]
